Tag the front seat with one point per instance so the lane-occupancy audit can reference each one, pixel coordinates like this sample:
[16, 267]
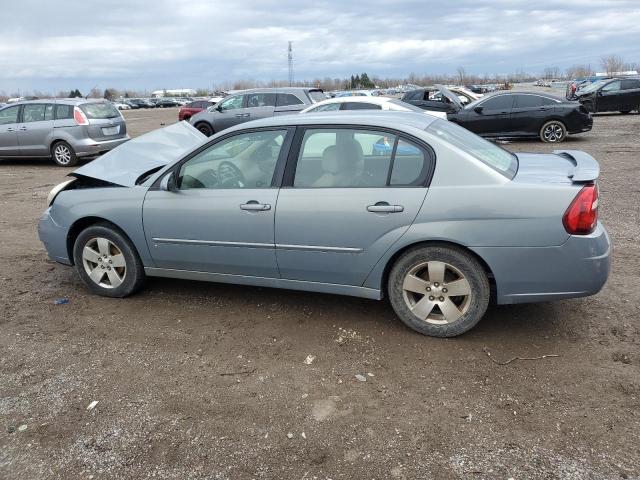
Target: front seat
[342, 165]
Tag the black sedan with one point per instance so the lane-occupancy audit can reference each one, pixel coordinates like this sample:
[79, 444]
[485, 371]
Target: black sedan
[428, 99]
[521, 114]
[613, 95]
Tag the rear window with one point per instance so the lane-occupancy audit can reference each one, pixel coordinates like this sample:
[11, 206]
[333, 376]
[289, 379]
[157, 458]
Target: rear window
[360, 106]
[317, 95]
[488, 153]
[99, 110]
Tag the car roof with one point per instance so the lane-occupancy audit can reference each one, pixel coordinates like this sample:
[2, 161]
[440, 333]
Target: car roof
[275, 90]
[361, 99]
[64, 101]
[370, 118]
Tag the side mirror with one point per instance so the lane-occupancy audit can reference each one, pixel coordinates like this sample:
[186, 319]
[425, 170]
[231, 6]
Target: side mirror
[478, 109]
[218, 107]
[168, 183]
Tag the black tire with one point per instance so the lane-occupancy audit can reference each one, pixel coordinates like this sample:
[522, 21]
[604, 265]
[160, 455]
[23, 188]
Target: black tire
[553, 131]
[63, 154]
[460, 265]
[204, 128]
[625, 112]
[186, 118]
[132, 276]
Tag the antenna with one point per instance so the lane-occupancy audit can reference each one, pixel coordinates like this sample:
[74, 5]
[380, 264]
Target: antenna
[290, 57]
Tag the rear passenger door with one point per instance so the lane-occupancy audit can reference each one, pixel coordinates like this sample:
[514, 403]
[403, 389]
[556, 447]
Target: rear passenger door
[35, 129]
[348, 194]
[9, 146]
[260, 105]
[528, 114]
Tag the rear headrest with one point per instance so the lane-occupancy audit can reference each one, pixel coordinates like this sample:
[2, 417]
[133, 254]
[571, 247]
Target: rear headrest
[347, 156]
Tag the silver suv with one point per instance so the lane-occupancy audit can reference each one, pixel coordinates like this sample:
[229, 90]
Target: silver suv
[255, 104]
[62, 129]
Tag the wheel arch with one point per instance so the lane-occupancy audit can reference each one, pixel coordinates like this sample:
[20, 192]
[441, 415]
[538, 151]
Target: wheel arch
[436, 243]
[82, 224]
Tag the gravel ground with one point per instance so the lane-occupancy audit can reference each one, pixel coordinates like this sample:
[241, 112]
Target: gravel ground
[208, 381]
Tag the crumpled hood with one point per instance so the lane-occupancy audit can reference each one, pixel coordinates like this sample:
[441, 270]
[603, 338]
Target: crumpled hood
[124, 164]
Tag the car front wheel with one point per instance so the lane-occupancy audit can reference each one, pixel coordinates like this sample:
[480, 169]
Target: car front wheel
[63, 154]
[205, 129]
[107, 261]
[553, 131]
[439, 291]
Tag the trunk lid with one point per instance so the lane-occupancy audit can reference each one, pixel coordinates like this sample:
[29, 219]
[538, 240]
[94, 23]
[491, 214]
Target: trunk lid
[561, 166]
[126, 163]
[451, 96]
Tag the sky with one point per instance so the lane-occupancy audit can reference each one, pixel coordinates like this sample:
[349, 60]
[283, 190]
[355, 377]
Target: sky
[153, 44]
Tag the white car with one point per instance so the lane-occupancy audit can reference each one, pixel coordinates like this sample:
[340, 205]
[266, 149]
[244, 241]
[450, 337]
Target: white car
[121, 106]
[368, 103]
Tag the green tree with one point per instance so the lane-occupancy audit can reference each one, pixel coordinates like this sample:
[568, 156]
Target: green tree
[365, 82]
[75, 94]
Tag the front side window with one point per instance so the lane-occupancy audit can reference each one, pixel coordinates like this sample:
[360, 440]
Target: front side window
[612, 87]
[33, 113]
[630, 84]
[247, 160]
[9, 115]
[261, 100]
[488, 153]
[343, 158]
[500, 102]
[232, 103]
[286, 99]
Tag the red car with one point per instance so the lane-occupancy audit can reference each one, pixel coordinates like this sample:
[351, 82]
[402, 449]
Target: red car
[192, 108]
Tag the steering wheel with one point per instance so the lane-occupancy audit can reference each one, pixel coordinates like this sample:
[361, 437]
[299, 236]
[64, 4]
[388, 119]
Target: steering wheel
[230, 176]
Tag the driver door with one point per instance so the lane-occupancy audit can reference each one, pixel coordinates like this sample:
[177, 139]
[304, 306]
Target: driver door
[609, 97]
[230, 112]
[219, 218]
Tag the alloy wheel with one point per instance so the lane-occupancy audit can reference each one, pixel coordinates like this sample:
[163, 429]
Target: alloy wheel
[104, 263]
[553, 133]
[436, 292]
[62, 154]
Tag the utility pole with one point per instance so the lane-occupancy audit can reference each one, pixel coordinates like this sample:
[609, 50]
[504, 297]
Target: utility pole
[290, 57]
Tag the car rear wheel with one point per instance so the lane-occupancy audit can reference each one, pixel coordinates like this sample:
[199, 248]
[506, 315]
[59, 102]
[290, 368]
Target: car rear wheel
[439, 291]
[205, 129]
[553, 131]
[63, 154]
[186, 118]
[107, 261]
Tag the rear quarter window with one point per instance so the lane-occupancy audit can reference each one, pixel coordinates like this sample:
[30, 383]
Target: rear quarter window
[317, 95]
[63, 112]
[286, 99]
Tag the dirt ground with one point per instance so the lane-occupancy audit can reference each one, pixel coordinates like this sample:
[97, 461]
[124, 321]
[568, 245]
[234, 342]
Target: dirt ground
[208, 381]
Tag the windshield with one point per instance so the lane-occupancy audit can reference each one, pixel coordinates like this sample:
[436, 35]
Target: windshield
[488, 153]
[593, 87]
[100, 110]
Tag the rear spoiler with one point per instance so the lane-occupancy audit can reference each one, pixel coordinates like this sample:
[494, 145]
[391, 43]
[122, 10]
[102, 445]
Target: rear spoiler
[586, 167]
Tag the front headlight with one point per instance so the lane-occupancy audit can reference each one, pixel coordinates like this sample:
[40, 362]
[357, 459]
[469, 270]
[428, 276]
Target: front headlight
[57, 189]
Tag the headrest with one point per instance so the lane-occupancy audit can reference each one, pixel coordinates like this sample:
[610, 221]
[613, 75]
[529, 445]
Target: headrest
[343, 157]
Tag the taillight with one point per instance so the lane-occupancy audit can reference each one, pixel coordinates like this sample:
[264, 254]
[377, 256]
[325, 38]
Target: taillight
[80, 117]
[582, 215]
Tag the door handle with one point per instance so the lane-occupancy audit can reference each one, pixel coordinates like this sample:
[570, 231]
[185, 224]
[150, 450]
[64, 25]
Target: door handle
[254, 206]
[22, 129]
[384, 207]
[9, 129]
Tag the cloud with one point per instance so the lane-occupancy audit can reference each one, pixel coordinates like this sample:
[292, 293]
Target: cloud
[163, 44]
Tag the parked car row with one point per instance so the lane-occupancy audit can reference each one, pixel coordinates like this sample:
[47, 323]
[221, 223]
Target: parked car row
[609, 95]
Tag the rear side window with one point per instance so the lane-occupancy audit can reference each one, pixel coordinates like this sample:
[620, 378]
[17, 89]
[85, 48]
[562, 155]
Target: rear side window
[286, 99]
[527, 101]
[327, 107]
[630, 84]
[317, 95]
[63, 112]
[360, 106]
[99, 110]
[351, 158]
[33, 113]
[9, 115]
[261, 100]
[194, 105]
